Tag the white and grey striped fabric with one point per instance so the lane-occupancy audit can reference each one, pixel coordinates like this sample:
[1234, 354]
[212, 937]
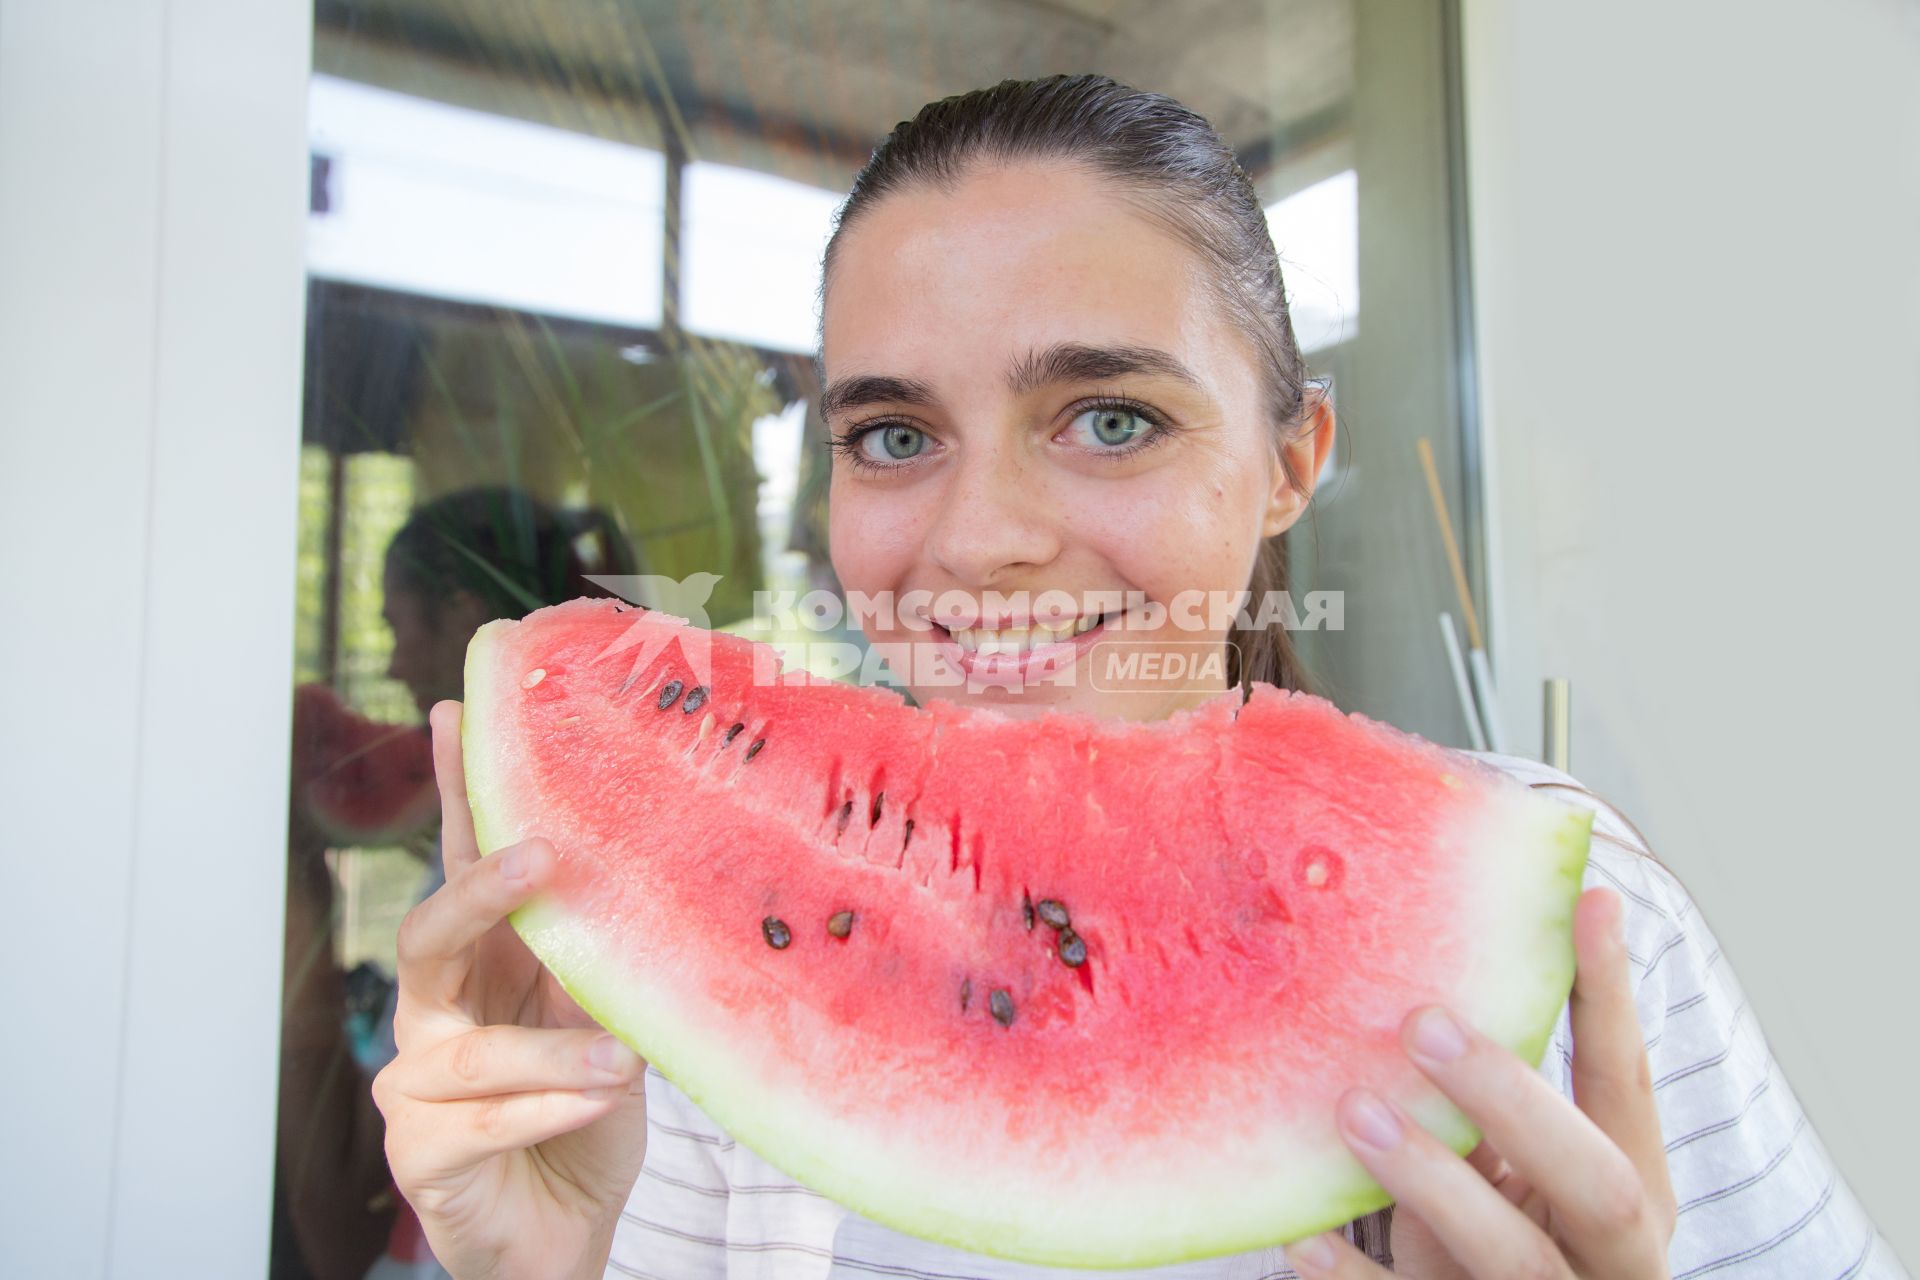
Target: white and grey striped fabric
[1758, 1195]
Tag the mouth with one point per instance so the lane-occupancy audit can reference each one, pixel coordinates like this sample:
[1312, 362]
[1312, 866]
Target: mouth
[1019, 652]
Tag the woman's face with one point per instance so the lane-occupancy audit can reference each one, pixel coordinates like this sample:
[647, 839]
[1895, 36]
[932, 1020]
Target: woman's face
[429, 643]
[1032, 392]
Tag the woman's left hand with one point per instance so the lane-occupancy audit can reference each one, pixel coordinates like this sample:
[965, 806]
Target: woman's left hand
[1555, 1189]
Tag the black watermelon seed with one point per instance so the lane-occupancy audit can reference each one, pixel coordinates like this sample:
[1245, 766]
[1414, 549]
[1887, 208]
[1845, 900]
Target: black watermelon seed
[669, 693]
[778, 935]
[754, 750]
[1073, 949]
[846, 816]
[840, 923]
[1026, 910]
[873, 819]
[696, 699]
[966, 993]
[731, 735]
[1002, 1005]
[908, 836]
[1052, 912]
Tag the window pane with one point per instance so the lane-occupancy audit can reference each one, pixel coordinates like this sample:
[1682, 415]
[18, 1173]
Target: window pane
[753, 245]
[1316, 232]
[450, 203]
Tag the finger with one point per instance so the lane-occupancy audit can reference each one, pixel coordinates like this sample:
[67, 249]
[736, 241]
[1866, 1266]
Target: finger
[434, 949]
[433, 1143]
[1596, 1191]
[1487, 1161]
[458, 848]
[1612, 1081]
[502, 1059]
[1329, 1254]
[1487, 1235]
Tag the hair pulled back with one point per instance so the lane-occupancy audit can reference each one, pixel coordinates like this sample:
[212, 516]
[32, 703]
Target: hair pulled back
[1171, 164]
[507, 548]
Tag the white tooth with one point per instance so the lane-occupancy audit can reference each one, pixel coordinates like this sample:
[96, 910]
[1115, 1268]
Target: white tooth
[1084, 623]
[1050, 635]
[968, 640]
[1014, 639]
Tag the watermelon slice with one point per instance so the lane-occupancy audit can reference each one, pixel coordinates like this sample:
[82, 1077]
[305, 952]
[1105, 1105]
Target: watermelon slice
[361, 781]
[1070, 991]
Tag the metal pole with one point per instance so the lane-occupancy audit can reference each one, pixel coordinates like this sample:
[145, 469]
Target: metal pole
[1557, 725]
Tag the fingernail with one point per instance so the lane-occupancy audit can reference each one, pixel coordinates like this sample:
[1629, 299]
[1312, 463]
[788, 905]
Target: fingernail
[608, 1054]
[1437, 1036]
[1314, 1251]
[1369, 1120]
[513, 864]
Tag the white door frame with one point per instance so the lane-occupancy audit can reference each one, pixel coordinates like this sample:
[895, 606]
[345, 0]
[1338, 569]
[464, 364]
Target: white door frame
[153, 175]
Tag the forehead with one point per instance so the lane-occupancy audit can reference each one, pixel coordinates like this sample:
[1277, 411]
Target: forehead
[1009, 261]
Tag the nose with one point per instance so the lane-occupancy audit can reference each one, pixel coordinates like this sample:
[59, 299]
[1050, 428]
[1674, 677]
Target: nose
[995, 518]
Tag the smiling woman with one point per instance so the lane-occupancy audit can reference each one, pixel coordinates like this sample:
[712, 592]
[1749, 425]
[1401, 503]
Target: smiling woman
[1065, 401]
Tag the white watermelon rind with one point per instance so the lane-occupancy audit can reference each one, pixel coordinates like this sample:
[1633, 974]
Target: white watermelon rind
[1143, 1218]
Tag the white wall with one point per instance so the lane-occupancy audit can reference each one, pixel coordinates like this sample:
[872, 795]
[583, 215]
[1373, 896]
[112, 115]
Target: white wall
[1696, 239]
[152, 202]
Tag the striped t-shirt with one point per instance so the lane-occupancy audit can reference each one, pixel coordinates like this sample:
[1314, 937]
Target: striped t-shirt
[1758, 1195]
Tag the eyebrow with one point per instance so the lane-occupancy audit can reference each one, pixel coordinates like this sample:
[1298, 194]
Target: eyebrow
[1062, 362]
[1077, 362]
[866, 389]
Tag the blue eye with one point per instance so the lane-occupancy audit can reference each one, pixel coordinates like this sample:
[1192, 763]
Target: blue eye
[894, 442]
[1115, 425]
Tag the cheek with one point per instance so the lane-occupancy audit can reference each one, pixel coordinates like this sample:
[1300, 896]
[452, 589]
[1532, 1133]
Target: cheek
[874, 535]
[1195, 531]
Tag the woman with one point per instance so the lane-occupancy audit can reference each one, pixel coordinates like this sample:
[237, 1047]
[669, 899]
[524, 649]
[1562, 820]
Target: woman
[1058, 358]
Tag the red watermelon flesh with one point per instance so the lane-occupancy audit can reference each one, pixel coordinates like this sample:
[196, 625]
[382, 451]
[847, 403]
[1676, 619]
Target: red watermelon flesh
[1262, 893]
[361, 781]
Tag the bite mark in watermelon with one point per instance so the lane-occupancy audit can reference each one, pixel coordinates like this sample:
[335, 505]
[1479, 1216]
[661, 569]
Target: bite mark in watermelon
[1072, 991]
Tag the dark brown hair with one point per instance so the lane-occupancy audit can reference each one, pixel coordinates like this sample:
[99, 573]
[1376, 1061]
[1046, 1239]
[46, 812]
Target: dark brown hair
[1179, 173]
[502, 545]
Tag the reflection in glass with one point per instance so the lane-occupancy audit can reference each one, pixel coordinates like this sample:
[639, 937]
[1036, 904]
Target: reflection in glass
[752, 245]
[446, 202]
[1316, 231]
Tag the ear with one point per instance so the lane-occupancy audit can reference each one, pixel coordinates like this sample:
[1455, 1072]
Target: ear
[1305, 450]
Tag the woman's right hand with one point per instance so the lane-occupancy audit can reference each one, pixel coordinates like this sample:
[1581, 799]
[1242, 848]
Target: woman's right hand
[515, 1126]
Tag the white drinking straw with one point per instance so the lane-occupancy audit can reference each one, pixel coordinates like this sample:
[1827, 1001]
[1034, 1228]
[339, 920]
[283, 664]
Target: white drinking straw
[1489, 704]
[1477, 665]
[1468, 710]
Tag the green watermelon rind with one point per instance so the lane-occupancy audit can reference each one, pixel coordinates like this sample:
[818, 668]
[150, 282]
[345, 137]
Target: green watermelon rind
[712, 1080]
